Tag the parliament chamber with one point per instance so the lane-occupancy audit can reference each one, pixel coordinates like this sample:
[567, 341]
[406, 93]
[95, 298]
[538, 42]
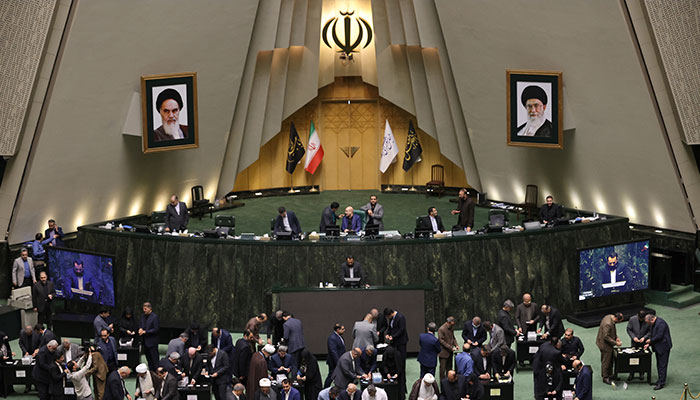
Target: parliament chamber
[422, 170]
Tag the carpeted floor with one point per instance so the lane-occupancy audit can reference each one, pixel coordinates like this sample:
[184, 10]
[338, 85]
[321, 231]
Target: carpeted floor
[400, 210]
[683, 366]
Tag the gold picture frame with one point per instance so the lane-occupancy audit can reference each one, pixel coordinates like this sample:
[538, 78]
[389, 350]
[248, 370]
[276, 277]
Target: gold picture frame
[534, 108]
[172, 97]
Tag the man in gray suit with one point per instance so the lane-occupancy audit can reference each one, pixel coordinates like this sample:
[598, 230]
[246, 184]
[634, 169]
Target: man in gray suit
[23, 270]
[69, 350]
[375, 212]
[498, 337]
[348, 368]
[293, 335]
[178, 344]
[364, 332]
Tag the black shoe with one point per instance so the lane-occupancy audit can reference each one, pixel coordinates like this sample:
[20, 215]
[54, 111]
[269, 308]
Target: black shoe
[658, 387]
[654, 383]
[641, 377]
[629, 378]
[606, 381]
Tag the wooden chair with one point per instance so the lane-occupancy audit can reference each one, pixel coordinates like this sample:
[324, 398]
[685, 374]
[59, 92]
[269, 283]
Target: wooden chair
[437, 180]
[530, 205]
[200, 205]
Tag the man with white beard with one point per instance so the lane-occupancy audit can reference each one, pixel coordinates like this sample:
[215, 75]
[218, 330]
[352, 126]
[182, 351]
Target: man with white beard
[534, 99]
[169, 104]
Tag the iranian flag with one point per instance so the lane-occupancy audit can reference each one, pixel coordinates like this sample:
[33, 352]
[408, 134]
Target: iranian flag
[314, 151]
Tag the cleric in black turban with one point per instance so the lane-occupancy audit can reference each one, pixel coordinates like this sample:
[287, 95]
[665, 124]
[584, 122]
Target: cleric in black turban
[534, 99]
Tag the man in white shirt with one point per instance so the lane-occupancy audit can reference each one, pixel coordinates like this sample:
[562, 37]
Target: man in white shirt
[287, 221]
[77, 376]
[432, 221]
[374, 393]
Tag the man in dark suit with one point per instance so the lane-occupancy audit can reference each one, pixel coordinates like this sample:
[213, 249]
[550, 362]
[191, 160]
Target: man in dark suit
[348, 369]
[429, 349]
[168, 387]
[192, 365]
[217, 370]
[237, 393]
[350, 393]
[482, 361]
[432, 221]
[293, 335]
[504, 320]
[336, 348]
[70, 351]
[45, 334]
[614, 274]
[29, 340]
[43, 293]
[44, 361]
[551, 324]
[465, 209]
[287, 222]
[397, 336]
[108, 348]
[584, 381]
[176, 217]
[172, 364]
[221, 339]
[275, 328]
[503, 361]
[453, 387]
[115, 388]
[351, 222]
[661, 343]
[352, 269]
[196, 337]
[282, 363]
[550, 212]
[368, 360]
[473, 333]
[149, 325]
[571, 347]
[242, 353]
[55, 233]
[328, 217]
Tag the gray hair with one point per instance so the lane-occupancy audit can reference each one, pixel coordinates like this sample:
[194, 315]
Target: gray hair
[370, 348]
[184, 335]
[23, 249]
[238, 386]
[124, 371]
[52, 343]
[509, 303]
[283, 348]
[175, 355]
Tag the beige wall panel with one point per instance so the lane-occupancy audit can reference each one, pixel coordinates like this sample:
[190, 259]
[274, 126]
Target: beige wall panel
[616, 161]
[81, 158]
[359, 124]
[275, 94]
[421, 94]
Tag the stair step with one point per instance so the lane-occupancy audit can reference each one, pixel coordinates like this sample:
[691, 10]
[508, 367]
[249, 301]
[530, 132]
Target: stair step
[678, 289]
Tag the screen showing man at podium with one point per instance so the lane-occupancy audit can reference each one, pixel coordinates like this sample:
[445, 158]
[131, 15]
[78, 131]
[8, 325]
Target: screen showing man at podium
[613, 269]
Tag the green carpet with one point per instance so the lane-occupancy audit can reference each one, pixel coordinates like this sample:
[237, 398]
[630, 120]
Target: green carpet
[400, 210]
[683, 366]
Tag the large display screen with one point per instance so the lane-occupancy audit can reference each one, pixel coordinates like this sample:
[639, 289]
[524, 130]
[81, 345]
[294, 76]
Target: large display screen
[612, 269]
[83, 276]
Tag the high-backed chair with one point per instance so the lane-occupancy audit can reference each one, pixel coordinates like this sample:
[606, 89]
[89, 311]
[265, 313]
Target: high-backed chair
[437, 180]
[200, 205]
[530, 205]
[363, 216]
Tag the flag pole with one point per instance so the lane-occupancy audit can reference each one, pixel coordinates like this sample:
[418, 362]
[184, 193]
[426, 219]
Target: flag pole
[291, 183]
[313, 188]
[413, 188]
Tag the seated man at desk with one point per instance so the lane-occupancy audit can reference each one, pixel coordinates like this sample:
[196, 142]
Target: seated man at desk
[432, 221]
[351, 221]
[352, 269]
[287, 221]
[550, 211]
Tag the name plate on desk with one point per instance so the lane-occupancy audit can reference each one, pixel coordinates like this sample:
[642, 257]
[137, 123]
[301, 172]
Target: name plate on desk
[21, 373]
[572, 380]
[121, 357]
[634, 361]
[495, 392]
[69, 391]
[191, 397]
[533, 349]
